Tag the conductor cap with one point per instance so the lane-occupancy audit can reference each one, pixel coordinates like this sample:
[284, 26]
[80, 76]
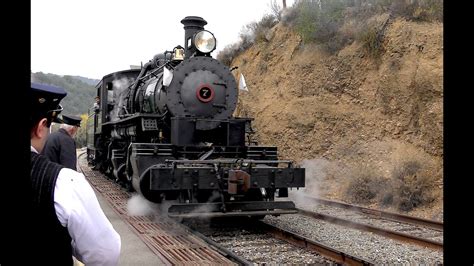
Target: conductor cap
[71, 120]
[45, 101]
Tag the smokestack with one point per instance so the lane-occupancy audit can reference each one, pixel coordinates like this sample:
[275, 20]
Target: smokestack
[192, 24]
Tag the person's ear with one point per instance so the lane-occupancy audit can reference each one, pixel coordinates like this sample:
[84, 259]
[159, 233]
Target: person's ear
[42, 129]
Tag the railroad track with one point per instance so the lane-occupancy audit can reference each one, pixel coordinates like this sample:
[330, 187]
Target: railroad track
[376, 230]
[171, 242]
[336, 255]
[262, 243]
[378, 213]
[400, 227]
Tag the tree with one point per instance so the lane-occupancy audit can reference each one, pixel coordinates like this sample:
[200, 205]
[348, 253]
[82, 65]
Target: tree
[276, 9]
[81, 135]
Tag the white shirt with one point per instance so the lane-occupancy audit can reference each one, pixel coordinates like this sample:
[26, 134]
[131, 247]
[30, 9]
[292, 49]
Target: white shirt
[94, 240]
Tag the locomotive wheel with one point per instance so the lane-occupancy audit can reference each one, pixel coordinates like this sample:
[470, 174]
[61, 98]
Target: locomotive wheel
[119, 174]
[109, 171]
[128, 183]
[102, 167]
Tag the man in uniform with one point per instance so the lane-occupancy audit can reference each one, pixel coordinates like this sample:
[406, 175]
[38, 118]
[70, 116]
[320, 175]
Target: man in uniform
[60, 146]
[96, 106]
[66, 218]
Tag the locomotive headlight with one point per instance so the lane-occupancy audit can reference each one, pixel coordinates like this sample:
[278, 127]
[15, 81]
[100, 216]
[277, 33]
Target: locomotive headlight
[205, 41]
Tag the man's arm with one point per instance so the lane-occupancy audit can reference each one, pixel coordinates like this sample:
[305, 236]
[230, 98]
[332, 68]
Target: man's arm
[94, 240]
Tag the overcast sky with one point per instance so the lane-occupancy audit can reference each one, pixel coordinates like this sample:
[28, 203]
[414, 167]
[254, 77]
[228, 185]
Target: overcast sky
[92, 38]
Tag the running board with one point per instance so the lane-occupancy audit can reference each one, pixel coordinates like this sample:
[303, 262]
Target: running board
[244, 208]
[205, 215]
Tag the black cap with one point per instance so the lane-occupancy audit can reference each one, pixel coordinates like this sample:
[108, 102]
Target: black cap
[45, 101]
[72, 120]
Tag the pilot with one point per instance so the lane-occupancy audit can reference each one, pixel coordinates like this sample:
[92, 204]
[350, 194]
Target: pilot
[66, 218]
[60, 147]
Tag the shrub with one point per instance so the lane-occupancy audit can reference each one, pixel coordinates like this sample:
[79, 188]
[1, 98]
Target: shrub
[81, 135]
[322, 21]
[364, 185]
[413, 179]
[371, 39]
[259, 29]
[276, 9]
[406, 168]
[289, 15]
[319, 21]
[228, 54]
[412, 185]
[305, 23]
[251, 33]
[414, 191]
[418, 10]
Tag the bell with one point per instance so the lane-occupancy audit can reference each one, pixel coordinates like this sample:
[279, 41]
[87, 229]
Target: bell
[178, 54]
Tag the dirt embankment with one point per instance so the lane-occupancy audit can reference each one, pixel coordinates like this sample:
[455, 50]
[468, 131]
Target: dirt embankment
[352, 120]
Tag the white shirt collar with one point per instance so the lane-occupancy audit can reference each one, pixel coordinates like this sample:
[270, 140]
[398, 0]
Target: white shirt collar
[33, 149]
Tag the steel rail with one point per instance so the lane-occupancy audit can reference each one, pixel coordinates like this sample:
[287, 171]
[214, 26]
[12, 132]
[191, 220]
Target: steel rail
[311, 245]
[379, 213]
[376, 230]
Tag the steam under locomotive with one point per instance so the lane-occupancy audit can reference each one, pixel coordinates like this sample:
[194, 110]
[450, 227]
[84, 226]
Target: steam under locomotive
[167, 130]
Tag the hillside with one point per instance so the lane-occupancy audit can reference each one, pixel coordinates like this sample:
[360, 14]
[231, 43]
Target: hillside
[368, 131]
[80, 91]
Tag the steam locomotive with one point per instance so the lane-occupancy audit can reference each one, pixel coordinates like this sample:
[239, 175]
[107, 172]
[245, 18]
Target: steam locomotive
[167, 131]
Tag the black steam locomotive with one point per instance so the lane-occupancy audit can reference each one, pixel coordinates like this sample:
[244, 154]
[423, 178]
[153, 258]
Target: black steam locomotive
[167, 130]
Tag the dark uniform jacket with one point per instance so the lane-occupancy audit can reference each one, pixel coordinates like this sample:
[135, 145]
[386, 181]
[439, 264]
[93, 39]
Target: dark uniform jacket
[61, 148]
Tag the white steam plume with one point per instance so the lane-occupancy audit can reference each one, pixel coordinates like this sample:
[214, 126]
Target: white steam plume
[137, 205]
[316, 171]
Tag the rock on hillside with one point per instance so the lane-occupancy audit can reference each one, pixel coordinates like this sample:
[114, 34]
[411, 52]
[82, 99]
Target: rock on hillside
[347, 114]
